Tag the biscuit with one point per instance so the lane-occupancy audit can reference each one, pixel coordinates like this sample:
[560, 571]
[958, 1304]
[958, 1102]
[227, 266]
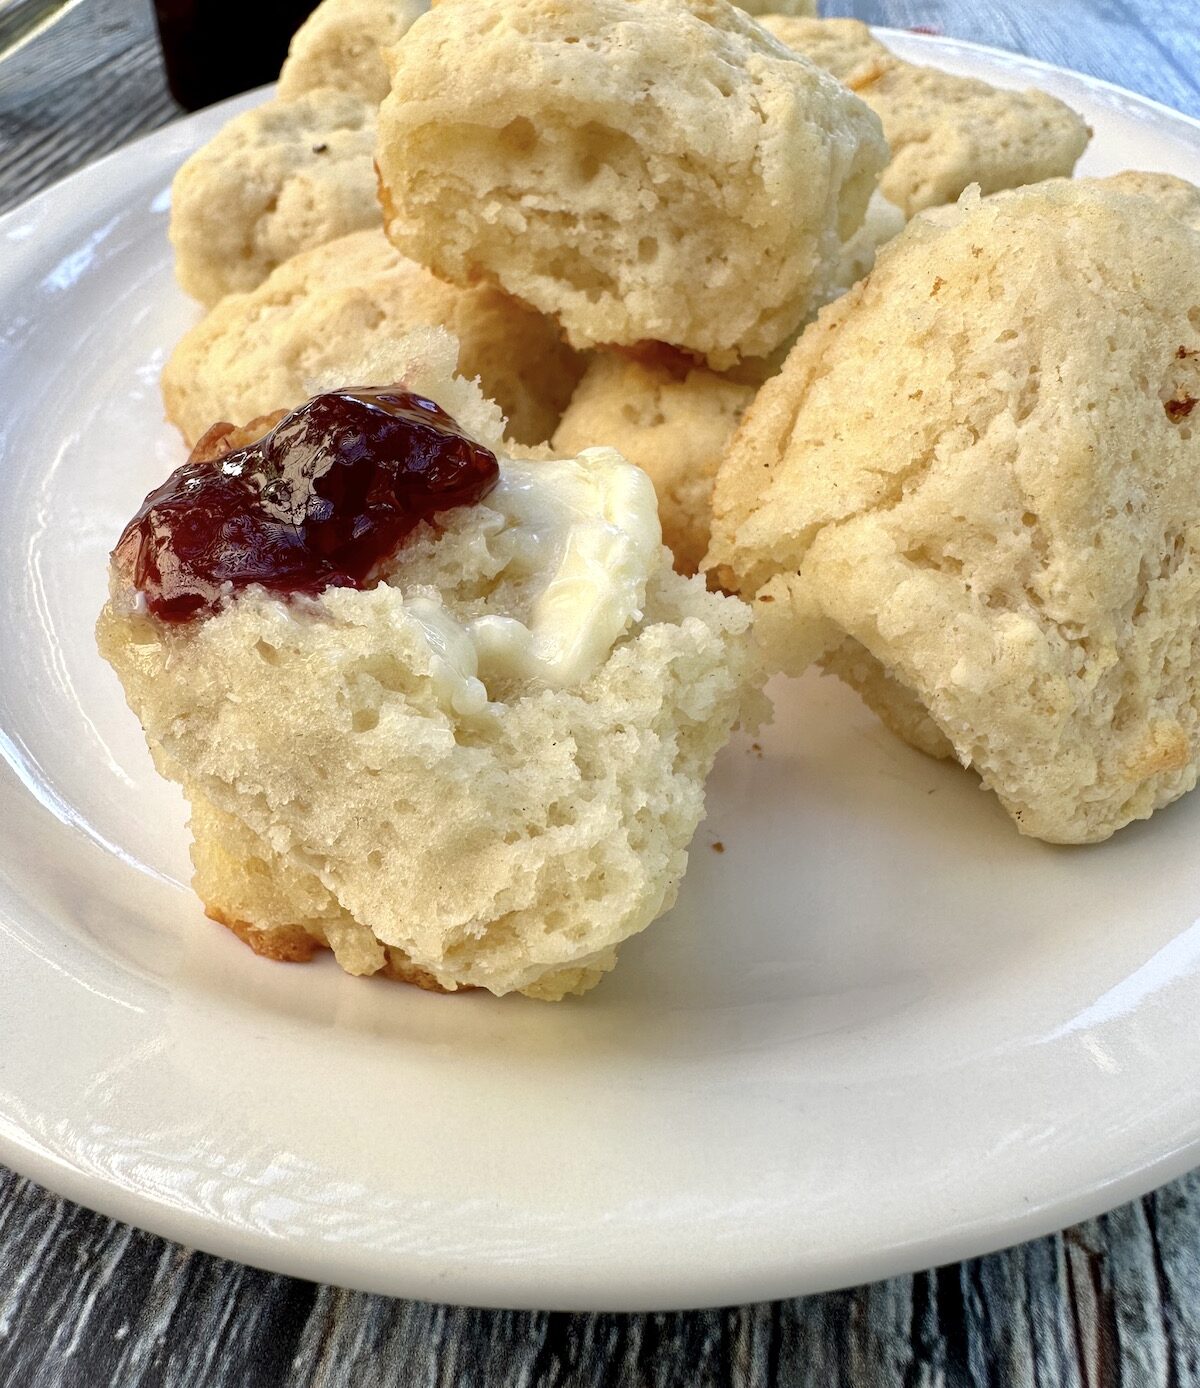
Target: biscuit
[346, 789]
[340, 45]
[642, 170]
[673, 423]
[275, 181]
[945, 132]
[1174, 195]
[321, 310]
[998, 508]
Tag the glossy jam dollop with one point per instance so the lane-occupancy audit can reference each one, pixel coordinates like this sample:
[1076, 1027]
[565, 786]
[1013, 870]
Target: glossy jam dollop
[319, 501]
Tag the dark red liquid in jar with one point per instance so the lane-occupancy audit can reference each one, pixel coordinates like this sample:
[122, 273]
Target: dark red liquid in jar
[319, 501]
[215, 48]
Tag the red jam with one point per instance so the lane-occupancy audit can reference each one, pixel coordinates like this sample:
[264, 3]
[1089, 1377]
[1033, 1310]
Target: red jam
[330, 492]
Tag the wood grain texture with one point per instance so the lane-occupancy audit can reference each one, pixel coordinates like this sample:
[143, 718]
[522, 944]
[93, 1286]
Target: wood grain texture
[1114, 1303]
[88, 85]
[1150, 46]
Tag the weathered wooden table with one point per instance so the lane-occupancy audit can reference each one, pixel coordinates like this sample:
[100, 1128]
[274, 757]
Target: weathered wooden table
[89, 1302]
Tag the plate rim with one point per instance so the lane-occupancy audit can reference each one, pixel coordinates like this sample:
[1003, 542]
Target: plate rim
[317, 1260]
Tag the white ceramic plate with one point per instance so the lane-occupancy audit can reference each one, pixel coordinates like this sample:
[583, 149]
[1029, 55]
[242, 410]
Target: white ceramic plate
[879, 1031]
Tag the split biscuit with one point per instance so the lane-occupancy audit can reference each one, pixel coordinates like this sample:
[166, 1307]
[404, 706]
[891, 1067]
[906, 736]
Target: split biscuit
[641, 170]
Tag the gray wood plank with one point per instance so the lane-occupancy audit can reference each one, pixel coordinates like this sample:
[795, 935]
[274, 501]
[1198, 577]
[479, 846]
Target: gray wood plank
[84, 1301]
[1105, 38]
[1112, 1302]
[91, 83]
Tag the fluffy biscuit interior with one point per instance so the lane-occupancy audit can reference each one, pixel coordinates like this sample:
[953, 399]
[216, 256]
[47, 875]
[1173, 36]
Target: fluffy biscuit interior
[643, 170]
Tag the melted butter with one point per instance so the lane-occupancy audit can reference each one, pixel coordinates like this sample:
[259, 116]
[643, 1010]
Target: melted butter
[454, 664]
[593, 526]
[587, 538]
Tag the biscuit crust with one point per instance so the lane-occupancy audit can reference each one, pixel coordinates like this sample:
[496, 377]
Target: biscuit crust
[321, 313]
[292, 944]
[1174, 195]
[275, 181]
[999, 506]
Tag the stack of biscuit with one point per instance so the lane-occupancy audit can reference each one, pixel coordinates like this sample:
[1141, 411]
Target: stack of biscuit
[298, 174]
[907, 393]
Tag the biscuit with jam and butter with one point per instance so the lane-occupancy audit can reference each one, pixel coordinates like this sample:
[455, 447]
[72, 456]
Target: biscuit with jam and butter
[445, 711]
[275, 181]
[945, 131]
[987, 518]
[641, 170]
[321, 311]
